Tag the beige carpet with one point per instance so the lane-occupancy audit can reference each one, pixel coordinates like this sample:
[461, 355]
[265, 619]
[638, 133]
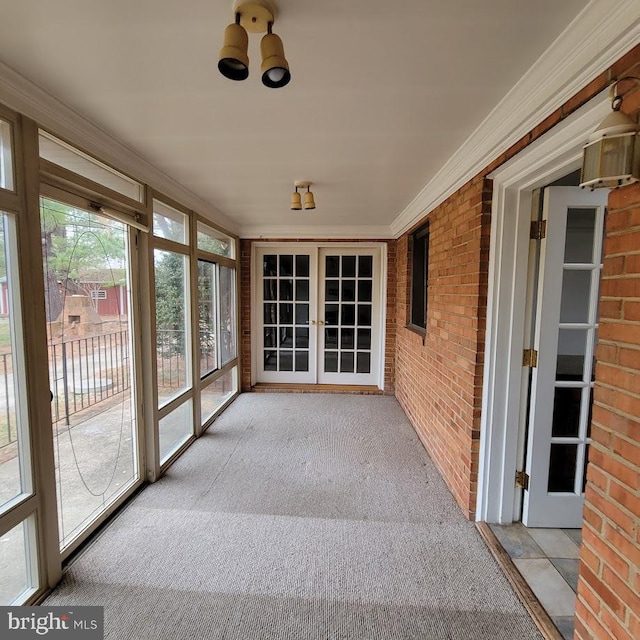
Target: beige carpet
[298, 517]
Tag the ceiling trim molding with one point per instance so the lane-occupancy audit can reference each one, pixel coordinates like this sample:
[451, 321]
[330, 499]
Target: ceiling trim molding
[601, 34]
[333, 232]
[25, 97]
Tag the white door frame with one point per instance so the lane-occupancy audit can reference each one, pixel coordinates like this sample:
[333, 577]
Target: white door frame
[552, 156]
[256, 325]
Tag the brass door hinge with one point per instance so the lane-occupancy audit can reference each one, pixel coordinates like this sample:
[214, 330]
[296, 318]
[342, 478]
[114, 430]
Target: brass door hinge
[538, 230]
[530, 358]
[522, 480]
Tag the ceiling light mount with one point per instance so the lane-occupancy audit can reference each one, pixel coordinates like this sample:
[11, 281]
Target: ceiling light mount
[255, 15]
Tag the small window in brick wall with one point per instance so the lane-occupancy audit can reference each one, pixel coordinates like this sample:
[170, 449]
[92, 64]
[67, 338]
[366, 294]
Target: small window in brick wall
[419, 242]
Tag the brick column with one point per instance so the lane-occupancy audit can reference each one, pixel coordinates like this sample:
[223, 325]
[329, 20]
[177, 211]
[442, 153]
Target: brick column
[608, 604]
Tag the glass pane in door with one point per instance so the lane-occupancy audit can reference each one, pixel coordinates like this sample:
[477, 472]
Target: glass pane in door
[87, 302]
[348, 312]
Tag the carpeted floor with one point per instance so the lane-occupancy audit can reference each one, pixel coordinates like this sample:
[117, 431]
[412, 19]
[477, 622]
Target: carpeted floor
[298, 517]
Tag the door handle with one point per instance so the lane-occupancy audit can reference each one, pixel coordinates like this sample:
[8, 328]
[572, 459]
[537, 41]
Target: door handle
[318, 322]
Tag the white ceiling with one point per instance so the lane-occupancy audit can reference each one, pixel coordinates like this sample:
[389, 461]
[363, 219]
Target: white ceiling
[382, 93]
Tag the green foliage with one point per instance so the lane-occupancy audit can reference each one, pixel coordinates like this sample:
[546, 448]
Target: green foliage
[170, 301]
[77, 242]
[213, 245]
[5, 333]
[82, 251]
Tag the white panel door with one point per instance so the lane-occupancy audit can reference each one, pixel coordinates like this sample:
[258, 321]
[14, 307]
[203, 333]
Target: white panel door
[565, 338]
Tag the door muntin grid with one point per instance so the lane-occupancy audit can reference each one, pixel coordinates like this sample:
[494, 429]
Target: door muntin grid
[286, 312]
[348, 314]
[577, 338]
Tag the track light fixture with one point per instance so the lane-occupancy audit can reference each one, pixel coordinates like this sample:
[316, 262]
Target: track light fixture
[296, 202]
[234, 59]
[254, 16]
[611, 158]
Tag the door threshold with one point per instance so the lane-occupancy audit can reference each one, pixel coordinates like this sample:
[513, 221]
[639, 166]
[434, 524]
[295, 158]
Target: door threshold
[524, 592]
[266, 387]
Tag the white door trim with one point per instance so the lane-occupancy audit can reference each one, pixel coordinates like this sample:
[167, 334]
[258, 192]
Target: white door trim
[550, 157]
[255, 316]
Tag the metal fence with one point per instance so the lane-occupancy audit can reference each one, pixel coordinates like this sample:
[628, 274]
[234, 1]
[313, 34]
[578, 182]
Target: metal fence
[86, 371]
[82, 373]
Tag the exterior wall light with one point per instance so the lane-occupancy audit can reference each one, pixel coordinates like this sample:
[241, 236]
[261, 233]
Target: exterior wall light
[611, 158]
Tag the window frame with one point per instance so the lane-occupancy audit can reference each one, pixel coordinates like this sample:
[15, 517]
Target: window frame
[420, 238]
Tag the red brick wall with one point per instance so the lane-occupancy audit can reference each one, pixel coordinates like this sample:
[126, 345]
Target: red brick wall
[245, 321]
[608, 601]
[439, 377]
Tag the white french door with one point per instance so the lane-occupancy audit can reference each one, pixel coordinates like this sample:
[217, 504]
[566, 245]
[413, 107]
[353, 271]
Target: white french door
[320, 314]
[565, 338]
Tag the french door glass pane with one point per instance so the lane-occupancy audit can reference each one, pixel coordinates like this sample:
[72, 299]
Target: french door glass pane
[562, 468]
[286, 266]
[90, 363]
[175, 429]
[348, 306]
[270, 360]
[270, 265]
[227, 296]
[302, 361]
[579, 241]
[173, 342]
[15, 469]
[302, 266]
[566, 412]
[576, 289]
[365, 266]
[6, 158]
[572, 346]
[207, 296]
[17, 557]
[302, 338]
